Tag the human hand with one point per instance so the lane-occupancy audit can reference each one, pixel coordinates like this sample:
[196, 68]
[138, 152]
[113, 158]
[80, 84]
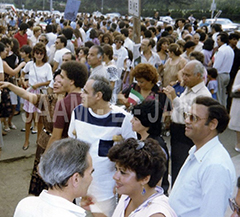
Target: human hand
[4, 84]
[22, 64]
[170, 92]
[86, 202]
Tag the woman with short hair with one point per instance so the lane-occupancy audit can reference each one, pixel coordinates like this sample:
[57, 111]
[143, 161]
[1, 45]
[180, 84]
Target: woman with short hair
[140, 165]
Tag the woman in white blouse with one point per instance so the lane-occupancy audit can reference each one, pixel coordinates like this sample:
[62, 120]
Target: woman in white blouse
[140, 165]
[40, 75]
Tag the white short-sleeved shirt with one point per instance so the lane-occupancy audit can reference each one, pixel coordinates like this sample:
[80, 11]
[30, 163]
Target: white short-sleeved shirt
[38, 74]
[98, 130]
[58, 56]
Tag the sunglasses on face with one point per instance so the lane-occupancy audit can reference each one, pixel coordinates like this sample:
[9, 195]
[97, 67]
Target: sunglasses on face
[234, 206]
[116, 41]
[192, 117]
[38, 53]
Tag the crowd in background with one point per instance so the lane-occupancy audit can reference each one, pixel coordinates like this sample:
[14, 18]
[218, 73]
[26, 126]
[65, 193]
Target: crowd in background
[35, 47]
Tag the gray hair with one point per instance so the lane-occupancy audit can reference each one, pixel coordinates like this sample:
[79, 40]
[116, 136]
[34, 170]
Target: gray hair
[103, 85]
[198, 67]
[64, 158]
[99, 50]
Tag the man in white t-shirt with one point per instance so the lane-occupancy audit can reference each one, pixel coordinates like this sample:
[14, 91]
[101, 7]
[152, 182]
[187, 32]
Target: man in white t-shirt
[120, 53]
[97, 122]
[61, 43]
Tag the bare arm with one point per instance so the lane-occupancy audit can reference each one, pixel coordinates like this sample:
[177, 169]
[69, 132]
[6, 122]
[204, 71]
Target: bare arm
[35, 86]
[56, 135]
[1, 76]
[7, 69]
[55, 66]
[20, 92]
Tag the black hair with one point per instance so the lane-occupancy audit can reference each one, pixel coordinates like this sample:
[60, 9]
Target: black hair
[215, 111]
[212, 72]
[76, 71]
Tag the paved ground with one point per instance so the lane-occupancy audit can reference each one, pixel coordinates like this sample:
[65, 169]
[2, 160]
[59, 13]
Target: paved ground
[16, 166]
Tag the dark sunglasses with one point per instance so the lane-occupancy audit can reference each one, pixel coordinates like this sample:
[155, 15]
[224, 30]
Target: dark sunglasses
[39, 53]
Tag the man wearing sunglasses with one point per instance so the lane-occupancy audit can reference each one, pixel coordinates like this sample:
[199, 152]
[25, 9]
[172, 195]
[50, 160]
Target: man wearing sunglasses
[206, 179]
[235, 202]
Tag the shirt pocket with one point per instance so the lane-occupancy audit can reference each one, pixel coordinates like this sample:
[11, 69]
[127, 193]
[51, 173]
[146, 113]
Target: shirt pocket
[104, 146]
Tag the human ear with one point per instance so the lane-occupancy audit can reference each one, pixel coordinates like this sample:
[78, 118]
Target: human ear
[213, 124]
[145, 180]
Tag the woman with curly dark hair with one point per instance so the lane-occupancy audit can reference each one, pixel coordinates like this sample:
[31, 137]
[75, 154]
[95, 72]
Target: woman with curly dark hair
[146, 86]
[140, 165]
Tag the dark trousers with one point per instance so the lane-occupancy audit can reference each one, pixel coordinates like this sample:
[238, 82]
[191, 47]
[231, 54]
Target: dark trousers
[180, 145]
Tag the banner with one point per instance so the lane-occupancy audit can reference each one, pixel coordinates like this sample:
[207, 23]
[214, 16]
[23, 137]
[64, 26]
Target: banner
[71, 9]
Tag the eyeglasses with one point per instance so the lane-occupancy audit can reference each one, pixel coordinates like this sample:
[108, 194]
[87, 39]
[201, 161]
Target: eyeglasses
[234, 206]
[116, 41]
[41, 40]
[192, 117]
[38, 53]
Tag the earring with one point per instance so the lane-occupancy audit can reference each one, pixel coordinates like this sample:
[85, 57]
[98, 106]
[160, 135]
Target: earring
[143, 191]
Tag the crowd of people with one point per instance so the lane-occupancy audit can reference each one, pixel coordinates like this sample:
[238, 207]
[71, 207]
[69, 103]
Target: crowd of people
[87, 80]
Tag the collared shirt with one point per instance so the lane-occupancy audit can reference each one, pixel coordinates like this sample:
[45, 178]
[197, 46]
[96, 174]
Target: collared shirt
[100, 70]
[47, 205]
[184, 102]
[157, 203]
[204, 183]
[153, 60]
[224, 59]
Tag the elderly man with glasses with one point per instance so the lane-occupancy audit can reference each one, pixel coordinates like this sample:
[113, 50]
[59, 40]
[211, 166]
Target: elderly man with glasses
[235, 202]
[192, 75]
[206, 179]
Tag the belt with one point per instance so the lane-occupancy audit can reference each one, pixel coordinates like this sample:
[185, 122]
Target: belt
[48, 133]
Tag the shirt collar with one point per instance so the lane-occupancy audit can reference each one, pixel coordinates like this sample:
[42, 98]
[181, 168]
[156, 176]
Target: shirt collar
[146, 202]
[200, 153]
[61, 203]
[196, 88]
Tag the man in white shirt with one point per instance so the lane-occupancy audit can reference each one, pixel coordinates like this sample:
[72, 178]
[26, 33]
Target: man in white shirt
[128, 43]
[223, 63]
[192, 75]
[120, 53]
[61, 43]
[95, 58]
[147, 55]
[97, 122]
[51, 36]
[207, 178]
[83, 33]
[66, 179]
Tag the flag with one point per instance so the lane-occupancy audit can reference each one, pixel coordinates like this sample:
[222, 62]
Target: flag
[135, 97]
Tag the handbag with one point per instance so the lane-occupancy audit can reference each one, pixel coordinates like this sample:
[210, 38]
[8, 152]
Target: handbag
[235, 94]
